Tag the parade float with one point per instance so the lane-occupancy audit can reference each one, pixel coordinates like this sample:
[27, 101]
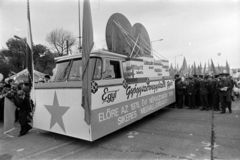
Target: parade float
[127, 84]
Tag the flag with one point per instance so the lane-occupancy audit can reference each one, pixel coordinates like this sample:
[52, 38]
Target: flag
[220, 69]
[209, 68]
[215, 71]
[191, 71]
[227, 68]
[87, 45]
[200, 68]
[204, 69]
[194, 69]
[9, 115]
[171, 71]
[29, 56]
[184, 68]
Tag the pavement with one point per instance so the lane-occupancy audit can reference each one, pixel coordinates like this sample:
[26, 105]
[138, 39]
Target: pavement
[167, 134]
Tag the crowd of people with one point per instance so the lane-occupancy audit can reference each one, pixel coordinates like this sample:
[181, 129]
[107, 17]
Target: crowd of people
[205, 92]
[19, 94]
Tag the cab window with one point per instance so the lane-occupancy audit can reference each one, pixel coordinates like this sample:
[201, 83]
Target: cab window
[112, 69]
[62, 69]
[95, 69]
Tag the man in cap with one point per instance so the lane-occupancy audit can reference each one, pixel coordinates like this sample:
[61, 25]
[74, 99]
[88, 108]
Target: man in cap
[216, 101]
[223, 87]
[211, 90]
[23, 104]
[177, 79]
[180, 92]
[233, 83]
[197, 88]
[204, 94]
[191, 91]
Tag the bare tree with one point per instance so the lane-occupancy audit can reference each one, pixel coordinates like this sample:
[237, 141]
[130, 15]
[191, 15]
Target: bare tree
[59, 38]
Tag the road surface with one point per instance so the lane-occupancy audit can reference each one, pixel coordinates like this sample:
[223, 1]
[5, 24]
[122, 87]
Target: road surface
[168, 134]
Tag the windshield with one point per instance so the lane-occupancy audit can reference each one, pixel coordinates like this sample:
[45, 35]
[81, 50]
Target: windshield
[62, 69]
[71, 70]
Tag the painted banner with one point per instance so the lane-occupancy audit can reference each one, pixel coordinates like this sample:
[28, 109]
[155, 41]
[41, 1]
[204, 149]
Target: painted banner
[122, 106]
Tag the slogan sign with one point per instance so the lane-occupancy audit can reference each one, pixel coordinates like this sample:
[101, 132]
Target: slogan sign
[108, 119]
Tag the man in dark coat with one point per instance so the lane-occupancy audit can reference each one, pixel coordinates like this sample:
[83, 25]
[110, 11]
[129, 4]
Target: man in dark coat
[204, 94]
[177, 79]
[191, 92]
[180, 92]
[23, 104]
[197, 88]
[216, 101]
[224, 86]
[211, 90]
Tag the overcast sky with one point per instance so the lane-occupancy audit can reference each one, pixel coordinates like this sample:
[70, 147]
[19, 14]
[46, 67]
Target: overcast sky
[198, 30]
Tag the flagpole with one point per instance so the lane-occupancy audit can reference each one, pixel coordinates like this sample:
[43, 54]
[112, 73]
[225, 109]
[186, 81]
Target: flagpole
[79, 19]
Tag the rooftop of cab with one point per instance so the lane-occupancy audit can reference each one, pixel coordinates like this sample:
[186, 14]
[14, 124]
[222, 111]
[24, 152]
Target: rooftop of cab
[98, 53]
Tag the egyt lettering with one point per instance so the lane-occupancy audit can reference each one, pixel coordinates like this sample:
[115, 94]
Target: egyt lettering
[130, 91]
[109, 96]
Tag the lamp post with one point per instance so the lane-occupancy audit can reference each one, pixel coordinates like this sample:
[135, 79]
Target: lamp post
[18, 37]
[175, 59]
[155, 41]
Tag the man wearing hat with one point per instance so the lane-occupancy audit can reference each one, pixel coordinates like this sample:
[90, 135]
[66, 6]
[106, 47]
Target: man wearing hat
[180, 92]
[23, 104]
[204, 94]
[216, 101]
[191, 91]
[223, 87]
[197, 90]
[177, 79]
[211, 90]
[233, 83]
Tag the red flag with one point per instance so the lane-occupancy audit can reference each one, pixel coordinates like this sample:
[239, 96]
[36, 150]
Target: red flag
[209, 68]
[204, 69]
[171, 71]
[215, 71]
[184, 69]
[29, 56]
[220, 70]
[227, 68]
[194, 69]
[200, 69]
[87, 45]
[191, 73]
